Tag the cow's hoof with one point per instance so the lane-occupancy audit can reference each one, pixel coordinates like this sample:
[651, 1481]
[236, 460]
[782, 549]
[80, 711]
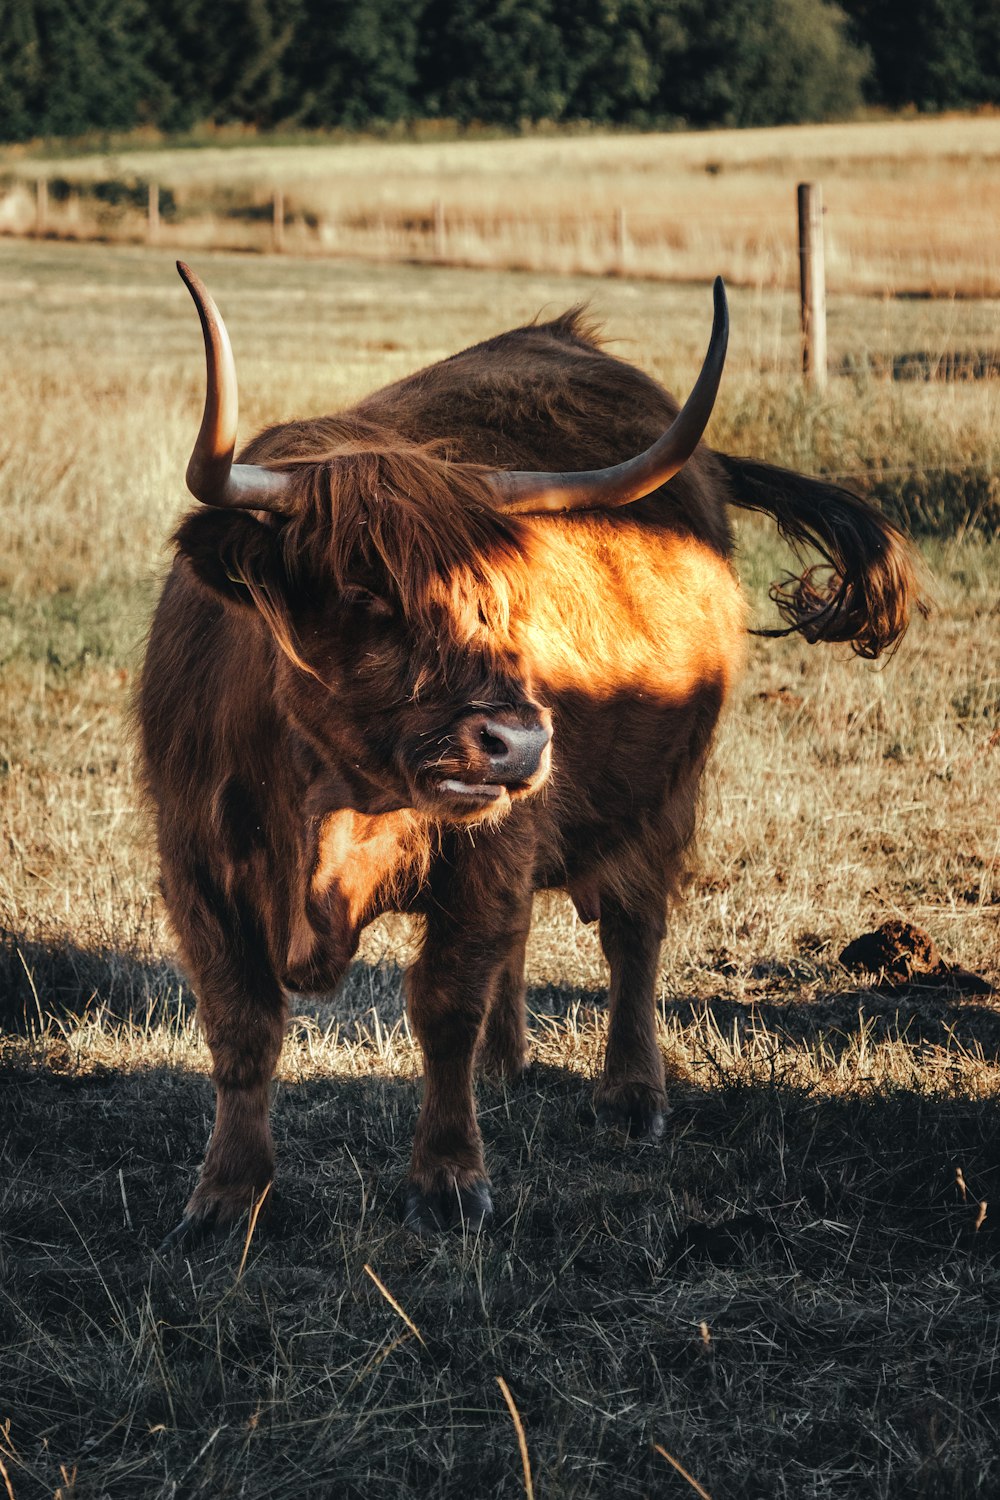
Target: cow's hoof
[647, 1128]
[214, 1212]
[466, 1208]
[637, 1111]
[186, 1235]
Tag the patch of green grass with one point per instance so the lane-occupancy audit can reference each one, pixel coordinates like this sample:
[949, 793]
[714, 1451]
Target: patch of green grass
[71, 629]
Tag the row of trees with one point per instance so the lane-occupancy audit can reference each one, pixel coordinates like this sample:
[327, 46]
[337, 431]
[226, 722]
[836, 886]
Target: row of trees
[73, 66]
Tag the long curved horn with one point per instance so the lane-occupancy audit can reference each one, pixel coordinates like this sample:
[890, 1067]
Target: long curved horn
[603, 489]
[212, 477]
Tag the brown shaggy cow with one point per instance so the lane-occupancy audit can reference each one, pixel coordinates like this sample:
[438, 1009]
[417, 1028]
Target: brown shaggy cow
[410, 657]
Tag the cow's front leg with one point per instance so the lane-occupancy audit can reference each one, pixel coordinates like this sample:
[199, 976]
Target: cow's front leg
[469, 937]
[448, 991]
[630, 1091]
[242, 1011]
[503, 1042]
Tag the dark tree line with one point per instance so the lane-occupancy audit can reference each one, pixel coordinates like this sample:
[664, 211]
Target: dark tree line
[73, 66]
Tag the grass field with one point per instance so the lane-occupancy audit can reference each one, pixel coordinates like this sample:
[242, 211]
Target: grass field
[795, 1294]
[912, 205]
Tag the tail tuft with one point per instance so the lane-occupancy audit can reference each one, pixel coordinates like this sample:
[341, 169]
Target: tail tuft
[864, 589]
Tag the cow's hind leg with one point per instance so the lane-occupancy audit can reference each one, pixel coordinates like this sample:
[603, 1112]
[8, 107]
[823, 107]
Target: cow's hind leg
[630, 1091]
[241, 1006]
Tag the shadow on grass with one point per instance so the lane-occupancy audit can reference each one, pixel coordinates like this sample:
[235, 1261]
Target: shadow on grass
[56, 977]
[46, 982]
[803, 1258]
[931, 1014]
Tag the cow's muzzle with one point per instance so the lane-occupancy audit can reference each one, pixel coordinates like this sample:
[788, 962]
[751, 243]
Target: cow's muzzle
[504, 750]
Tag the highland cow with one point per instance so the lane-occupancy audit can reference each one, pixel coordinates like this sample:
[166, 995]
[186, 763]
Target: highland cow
[466, 640]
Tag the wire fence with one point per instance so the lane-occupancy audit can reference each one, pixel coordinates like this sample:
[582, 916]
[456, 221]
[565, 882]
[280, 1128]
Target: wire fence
[886, 254]
[760, 252]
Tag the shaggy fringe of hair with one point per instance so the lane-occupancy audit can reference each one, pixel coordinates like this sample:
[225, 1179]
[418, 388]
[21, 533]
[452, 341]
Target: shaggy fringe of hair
[405, 512]
[275, 615]
[865, 587]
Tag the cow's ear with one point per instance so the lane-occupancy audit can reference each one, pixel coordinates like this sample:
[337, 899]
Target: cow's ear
[229, 550]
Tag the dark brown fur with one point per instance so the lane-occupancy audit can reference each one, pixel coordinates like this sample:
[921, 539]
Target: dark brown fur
[309, 682]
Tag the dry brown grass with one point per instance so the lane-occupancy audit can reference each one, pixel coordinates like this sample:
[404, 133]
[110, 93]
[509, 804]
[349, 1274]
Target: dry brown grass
[913, 206]
[791, 1296]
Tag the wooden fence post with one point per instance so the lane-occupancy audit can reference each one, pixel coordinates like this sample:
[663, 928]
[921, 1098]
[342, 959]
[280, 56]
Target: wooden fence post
[153, 213]
[621, 241]
[278, 222]
[41, 206]
[812, 284]
[439, 230]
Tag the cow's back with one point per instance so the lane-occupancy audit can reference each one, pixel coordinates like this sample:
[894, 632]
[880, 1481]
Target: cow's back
[548, 397]
[545, 397]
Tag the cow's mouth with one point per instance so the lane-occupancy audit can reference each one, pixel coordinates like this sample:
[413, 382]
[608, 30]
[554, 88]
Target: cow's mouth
[465, 800]
[476, 791]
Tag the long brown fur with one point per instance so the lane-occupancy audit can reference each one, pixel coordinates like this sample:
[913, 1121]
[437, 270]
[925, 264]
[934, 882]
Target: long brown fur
[314, 684]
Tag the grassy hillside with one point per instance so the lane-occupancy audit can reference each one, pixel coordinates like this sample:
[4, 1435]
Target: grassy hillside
[796, 1293]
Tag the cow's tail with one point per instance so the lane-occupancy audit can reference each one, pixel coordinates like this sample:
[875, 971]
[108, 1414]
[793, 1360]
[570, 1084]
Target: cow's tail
[866, 585]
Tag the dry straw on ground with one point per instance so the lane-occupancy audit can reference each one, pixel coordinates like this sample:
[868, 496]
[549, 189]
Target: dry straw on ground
[795, 1294]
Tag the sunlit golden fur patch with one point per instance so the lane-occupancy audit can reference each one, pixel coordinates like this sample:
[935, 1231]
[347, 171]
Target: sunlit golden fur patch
[361, 858]
[612, 611]
[585, 600]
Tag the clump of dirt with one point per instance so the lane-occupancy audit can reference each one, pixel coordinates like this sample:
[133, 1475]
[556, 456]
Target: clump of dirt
[900, 953]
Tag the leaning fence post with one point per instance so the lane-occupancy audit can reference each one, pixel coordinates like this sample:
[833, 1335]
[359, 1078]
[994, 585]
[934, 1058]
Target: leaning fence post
[439, 229]
[153, 213]
[41, 206]
[278, 222]
[812, 284]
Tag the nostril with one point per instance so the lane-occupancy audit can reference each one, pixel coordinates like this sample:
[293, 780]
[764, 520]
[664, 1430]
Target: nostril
[495, 747]
[514, 750]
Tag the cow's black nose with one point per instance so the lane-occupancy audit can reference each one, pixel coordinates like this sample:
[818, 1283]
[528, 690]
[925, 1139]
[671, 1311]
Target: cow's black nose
[514, 749]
